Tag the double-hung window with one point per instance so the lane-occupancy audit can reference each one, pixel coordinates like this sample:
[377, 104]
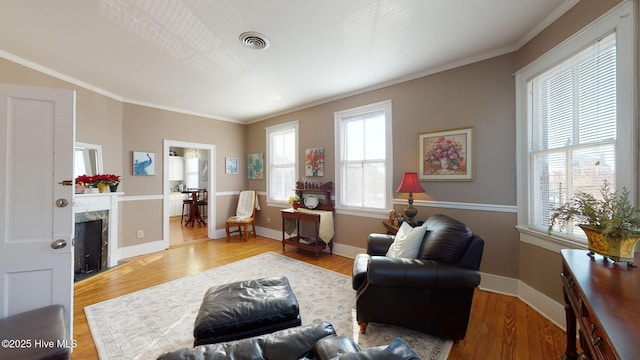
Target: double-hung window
[191, 168]
[576, 123]
[363, 158]
[282, 161]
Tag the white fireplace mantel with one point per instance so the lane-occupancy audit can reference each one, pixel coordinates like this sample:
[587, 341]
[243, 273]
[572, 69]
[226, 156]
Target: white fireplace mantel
[99, 202]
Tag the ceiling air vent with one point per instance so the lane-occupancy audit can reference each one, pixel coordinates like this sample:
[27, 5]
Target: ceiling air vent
[254, 40]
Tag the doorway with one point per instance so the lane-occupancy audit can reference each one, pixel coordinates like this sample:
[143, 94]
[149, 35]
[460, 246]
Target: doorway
[208, 171]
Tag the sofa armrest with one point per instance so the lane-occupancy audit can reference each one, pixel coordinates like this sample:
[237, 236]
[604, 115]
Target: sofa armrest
[378, 244]
[331, 347]
[399, 272]
[295, 341]
[343, 348]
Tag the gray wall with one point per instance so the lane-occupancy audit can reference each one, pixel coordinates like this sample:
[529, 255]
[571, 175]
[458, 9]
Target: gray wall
[479, 95]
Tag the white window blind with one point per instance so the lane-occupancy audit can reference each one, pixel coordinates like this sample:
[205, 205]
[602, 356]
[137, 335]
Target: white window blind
[573, 119]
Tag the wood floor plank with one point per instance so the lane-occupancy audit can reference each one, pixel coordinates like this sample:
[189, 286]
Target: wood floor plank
[496, 320]
[521, 350]
[508, 349]
[495, 317]
[533, 335]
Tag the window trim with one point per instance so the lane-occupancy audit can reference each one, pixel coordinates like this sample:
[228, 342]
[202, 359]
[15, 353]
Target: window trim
[385, 106]
[268, 131]
[620, 19]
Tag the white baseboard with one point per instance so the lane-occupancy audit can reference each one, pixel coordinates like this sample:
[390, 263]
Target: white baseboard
[347, 250]
[261, 231]
[142, 249]
[499, 284]
[338, 249]
[268, 233]
[543, 304]
[540, 302]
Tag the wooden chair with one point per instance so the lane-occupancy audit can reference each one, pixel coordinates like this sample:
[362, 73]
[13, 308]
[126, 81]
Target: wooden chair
[245, 216]
[186, 209]
[203, 202]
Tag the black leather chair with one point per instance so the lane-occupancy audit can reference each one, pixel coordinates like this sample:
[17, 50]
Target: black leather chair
[431, 293]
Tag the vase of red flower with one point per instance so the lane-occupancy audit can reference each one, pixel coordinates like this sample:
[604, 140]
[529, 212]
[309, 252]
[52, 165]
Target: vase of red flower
[104, 182]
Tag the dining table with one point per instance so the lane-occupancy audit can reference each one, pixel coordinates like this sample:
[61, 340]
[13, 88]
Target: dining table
[194, 211]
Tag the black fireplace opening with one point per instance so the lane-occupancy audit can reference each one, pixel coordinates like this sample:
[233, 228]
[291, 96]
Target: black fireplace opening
[88, 249]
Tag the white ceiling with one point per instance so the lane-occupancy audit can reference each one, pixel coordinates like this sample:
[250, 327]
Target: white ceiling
[185, 55]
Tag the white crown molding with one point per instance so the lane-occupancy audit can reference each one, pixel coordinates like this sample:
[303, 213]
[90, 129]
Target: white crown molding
[568, 4]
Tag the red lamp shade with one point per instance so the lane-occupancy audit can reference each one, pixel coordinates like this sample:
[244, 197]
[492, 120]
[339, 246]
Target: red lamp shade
[410, 184]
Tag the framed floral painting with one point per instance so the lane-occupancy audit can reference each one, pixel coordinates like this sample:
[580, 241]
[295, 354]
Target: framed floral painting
[314, 162]
[446, 155]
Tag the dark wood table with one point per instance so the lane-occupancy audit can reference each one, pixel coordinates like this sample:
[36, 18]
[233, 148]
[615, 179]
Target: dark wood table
[314, 244]
[604, 298]
[194, 211]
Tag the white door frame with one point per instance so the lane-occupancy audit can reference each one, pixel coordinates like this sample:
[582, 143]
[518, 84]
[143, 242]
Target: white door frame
[211, 175]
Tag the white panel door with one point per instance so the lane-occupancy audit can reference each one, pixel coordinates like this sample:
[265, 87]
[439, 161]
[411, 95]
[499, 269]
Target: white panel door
[37, 132]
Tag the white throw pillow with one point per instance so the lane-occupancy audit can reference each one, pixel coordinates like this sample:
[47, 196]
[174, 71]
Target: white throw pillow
[407, 242]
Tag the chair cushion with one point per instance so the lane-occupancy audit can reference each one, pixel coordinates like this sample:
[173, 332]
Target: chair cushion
[446, 241]
[407, 241]
[237, 220]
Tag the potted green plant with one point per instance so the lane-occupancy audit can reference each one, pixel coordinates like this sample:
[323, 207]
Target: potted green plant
[295, 201]
[611, 222]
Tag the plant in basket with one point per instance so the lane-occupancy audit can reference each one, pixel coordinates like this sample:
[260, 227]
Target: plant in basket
[610, 221]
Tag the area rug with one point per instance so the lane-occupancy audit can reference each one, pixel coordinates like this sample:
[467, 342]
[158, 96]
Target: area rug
[156, 320]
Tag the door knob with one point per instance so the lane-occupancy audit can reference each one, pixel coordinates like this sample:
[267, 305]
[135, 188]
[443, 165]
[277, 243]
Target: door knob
[58, 244]
[62, 203]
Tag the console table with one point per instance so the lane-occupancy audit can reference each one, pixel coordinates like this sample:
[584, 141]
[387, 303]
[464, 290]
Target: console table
[603, 297]
[291, 219]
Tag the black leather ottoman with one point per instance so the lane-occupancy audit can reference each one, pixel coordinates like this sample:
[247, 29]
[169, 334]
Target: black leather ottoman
[36, 334]
[244, 309]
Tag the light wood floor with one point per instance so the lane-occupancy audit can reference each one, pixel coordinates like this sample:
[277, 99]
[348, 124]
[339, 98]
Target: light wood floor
[180, 235]
[501, 327]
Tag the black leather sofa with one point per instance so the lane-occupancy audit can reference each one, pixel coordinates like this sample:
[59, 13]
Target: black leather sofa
[431, 293]
[316, 341]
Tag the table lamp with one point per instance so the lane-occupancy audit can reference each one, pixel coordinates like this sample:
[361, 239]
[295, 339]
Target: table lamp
[410, 184]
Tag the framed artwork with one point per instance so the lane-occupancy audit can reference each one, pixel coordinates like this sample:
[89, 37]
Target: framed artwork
[446, 155]
[204, 170]
[231, 165]
[144, 163]
[255, 166]
[314, 162]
